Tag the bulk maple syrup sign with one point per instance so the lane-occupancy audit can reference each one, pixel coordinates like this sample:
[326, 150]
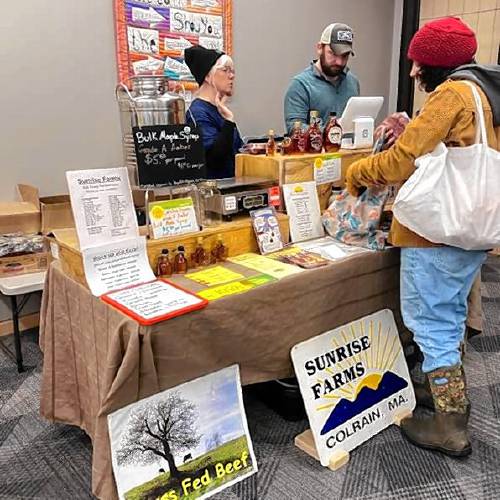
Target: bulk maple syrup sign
[354, 381]
[168, 155]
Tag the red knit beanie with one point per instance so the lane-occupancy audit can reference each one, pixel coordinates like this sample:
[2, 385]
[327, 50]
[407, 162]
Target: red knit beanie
[446, 42]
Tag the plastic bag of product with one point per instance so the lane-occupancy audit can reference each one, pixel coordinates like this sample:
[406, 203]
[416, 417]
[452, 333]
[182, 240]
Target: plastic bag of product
[356, 221]
[17, 243]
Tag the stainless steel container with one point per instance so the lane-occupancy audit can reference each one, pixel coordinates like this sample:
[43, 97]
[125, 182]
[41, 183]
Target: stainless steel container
[149, 103]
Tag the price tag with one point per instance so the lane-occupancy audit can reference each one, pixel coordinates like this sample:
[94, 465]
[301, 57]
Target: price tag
[327, 169]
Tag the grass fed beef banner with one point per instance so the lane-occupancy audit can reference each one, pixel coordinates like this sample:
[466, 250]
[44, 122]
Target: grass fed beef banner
[187, 442]
[168, 155]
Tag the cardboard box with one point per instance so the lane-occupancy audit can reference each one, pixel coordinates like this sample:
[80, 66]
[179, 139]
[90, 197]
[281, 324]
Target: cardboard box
[55, 211]
[21, 216]
[24, 264]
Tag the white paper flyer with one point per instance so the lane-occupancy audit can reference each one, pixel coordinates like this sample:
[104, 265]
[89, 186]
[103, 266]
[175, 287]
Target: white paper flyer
[302, 205]
[102, 205]
[116, 265]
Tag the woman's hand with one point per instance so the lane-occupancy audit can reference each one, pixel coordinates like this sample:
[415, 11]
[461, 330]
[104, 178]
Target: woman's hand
[220, 102]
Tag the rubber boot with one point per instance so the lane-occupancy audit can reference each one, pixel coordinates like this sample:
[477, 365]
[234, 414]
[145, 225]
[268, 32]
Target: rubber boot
[423, 394]
[446, 429]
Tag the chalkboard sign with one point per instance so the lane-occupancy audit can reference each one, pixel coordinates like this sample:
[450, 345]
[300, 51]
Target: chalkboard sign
[168, 155]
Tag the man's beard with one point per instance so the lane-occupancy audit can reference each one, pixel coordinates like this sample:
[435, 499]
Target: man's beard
[330, 71]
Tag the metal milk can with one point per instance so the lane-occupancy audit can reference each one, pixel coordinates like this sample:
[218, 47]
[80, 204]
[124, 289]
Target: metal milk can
[148, 103]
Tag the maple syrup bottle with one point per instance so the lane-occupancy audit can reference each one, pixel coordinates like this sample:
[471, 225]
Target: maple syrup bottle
[332, 136]
[198, 257]
[180, 261]
[271, 144]
[164, 267]
[287, 145]
[314, 137]
[221, 250]
[297, 138]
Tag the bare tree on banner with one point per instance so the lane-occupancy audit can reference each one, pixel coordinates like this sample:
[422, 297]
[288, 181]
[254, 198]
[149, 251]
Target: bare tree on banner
[160, 429]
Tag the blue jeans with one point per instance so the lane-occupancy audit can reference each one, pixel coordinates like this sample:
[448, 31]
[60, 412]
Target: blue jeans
[435, 283]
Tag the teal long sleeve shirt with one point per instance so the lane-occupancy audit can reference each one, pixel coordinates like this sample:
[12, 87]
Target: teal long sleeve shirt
[311, 90]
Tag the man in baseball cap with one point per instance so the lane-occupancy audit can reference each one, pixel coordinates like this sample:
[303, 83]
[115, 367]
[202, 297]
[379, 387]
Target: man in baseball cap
[327, 84]
[339, 37]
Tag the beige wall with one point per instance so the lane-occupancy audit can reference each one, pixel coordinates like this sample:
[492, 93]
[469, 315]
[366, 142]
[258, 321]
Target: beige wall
[483, 16]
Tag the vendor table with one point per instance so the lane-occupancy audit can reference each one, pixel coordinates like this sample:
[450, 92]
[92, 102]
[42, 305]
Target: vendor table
[97, 360]
[15, 286]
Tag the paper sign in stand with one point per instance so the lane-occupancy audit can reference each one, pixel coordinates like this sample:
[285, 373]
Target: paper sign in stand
[355, 383]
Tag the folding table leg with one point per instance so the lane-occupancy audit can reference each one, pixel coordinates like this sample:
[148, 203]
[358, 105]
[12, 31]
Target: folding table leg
[17, 336]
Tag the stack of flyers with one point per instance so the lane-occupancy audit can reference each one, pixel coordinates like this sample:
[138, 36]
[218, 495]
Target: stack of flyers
[300, 257]
[267, 230]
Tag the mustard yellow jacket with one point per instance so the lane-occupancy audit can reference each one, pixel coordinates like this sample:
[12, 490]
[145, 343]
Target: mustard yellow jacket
[447, 115]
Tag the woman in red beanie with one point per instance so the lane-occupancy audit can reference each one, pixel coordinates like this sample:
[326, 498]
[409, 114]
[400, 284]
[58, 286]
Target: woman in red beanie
[436, 280]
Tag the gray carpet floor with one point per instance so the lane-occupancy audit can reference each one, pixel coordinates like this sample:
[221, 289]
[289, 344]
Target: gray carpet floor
[41, 460]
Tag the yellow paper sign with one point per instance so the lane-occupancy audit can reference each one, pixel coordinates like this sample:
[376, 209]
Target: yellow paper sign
[224, 290]
[265, 265]
[214, 276]
[235, 287]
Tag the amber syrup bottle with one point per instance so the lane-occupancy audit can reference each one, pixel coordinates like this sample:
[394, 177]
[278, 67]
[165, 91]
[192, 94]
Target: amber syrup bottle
[314, 137]
[332, 136]
[180, 261]
[198, 257]
[221, 250]
[271, 144]
[297, 138]
[164, 266]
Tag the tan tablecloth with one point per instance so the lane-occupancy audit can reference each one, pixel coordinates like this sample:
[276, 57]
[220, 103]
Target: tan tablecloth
[97, 360]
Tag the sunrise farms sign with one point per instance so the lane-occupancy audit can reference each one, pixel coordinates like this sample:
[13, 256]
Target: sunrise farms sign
[354, 381]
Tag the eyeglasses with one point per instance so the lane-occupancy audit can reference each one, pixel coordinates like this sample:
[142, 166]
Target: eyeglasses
[227, 70]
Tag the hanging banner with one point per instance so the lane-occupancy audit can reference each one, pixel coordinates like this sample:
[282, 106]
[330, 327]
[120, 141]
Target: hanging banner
[151, 36]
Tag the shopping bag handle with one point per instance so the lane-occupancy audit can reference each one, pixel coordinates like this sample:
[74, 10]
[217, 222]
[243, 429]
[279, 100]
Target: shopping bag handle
[481, 126]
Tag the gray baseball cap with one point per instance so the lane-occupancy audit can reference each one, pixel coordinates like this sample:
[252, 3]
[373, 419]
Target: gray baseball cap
[339, 36]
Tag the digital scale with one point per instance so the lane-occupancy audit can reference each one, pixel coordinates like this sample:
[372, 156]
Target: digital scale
[241, 194]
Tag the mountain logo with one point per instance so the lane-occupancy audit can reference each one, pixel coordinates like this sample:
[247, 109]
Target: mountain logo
[371, 390]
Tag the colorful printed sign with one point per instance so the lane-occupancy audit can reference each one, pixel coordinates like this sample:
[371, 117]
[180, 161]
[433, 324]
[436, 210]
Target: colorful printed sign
[191, 441]
[267, 229]
[354, 381]
[327, 169]
[172, 217]
[152, 35]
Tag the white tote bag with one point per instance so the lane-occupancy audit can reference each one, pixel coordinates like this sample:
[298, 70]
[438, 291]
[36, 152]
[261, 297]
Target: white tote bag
[453, 197]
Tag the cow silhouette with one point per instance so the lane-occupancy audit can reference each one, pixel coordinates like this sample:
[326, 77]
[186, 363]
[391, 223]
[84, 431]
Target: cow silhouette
[187, 457]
